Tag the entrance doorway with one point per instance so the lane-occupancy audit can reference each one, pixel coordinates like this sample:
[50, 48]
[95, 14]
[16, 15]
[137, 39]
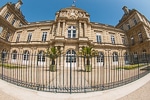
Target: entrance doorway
[70, 58]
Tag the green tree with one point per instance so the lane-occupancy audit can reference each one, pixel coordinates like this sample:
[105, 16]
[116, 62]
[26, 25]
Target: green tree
[53, 53]
[87, 52]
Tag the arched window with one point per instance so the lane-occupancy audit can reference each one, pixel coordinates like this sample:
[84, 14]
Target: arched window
[41, 56]
[71, 32]
[135, 55]
[126, 57]
[8, 36]
[26, 55]
[132, 40]
[100, 57]
[71, 56]
[4, 54]
[115, 57]
[144, 54]
[140, 37]
[14, 55]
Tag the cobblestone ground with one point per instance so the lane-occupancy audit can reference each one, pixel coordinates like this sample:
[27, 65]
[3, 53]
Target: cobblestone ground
[142, 93]
[4, 96]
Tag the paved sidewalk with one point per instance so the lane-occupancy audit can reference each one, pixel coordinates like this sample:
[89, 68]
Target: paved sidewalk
[142, 93]
[138, 90]
[5, 96]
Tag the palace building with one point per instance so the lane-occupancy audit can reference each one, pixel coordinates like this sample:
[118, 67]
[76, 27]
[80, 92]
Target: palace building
[71, 29]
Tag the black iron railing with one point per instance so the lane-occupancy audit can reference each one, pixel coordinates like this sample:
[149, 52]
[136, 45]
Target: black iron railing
[70, 74]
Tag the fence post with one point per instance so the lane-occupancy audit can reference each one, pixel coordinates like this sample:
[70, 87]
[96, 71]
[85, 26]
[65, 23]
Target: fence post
[70, 74]
[138, 66]
[2, 58]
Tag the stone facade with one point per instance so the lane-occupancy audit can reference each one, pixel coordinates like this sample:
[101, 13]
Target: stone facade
[71, 30]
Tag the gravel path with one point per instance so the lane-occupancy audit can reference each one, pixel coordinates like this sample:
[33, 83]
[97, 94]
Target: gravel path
[142, 93]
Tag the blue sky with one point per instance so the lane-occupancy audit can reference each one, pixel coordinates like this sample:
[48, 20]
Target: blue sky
[102, 11]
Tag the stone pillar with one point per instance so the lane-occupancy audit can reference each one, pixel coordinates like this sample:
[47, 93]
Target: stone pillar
[85, 28]
[62, 58]
[81, 60]
[108, 59]
[53, 29]
[20, 56]
[80, 30]
[63, 30]
[58, 28]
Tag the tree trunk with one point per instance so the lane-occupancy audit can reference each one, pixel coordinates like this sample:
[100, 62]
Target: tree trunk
[53, 61]
[88, 61]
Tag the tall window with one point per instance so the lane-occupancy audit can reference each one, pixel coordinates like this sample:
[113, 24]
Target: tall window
[1, 29]
[20, 24]
[71, 32]
[44, 36]
[4, 54]
[41, 56]
[18, 37]
[126, 57]
[128, 25]
[134, 20]
[14, 55]
[71, 56]
[13, 22]
[115, 57]
[100, 57]
[135, 57]
[123, 40]
[29, 37]
[98, 38]
[7, 15]
[26, 55]
[132, 41]
[144, 54]
[140, 37]
[7, 36]
[112, 39]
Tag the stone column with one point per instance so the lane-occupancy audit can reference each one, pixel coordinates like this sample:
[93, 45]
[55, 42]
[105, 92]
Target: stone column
[85, 28]
[63, 30]
[58, 27]
[81, 60]
[62, 58]
[107, 59]
[20, 55]
[79, 30]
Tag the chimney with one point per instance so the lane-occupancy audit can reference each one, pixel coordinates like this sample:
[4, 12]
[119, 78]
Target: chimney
[126, 10]
[18, 4]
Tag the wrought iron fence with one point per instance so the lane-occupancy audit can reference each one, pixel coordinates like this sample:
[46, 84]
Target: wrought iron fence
[69, 73]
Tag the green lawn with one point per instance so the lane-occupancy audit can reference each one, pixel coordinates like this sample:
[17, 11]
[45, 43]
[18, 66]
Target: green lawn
[129, 67]
[10, 66]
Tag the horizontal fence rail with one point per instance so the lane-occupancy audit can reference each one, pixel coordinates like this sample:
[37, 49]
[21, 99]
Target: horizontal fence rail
[72, 73]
